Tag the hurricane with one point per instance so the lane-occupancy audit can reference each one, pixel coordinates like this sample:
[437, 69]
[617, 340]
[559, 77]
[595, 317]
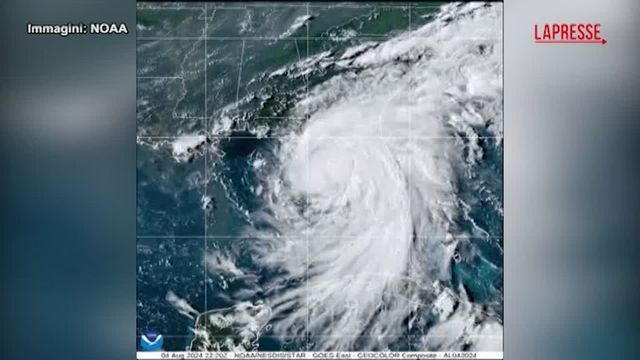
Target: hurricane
[366, 193]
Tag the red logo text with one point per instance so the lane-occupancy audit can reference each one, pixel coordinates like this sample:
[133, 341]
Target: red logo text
[567, 33]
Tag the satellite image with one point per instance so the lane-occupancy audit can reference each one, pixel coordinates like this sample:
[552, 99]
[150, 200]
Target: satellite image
[320, 176]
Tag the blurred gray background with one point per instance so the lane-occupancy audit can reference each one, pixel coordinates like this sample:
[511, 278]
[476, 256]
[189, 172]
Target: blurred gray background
[68, 184]
[572, 163]
[68, 187]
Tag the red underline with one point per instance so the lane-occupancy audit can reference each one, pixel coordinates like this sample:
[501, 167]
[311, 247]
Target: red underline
[569, 41]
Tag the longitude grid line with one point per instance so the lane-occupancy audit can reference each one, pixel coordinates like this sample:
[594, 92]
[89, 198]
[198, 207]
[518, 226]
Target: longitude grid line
[408, 335]
[502, 246]
[307, 116]
[206, 171]
[137, 188]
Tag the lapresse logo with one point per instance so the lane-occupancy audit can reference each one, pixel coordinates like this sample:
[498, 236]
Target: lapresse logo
[151, 341]
[568, 33]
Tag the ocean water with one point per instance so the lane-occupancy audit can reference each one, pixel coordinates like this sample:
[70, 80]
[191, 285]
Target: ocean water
[322, 177]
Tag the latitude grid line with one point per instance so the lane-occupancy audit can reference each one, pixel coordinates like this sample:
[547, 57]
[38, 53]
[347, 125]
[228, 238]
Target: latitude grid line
[296, 237]
[291, 38]
[320, 336]
[371, 137]
[159, 77]
[307, 116]
[389, 5]
[257, 117]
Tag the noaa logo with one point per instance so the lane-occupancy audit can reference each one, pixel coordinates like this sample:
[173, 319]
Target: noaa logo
[151, 341]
